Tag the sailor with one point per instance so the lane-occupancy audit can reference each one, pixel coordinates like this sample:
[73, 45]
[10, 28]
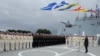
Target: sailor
[86, 44]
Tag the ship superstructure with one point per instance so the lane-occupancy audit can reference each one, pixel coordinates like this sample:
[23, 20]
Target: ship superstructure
[88, 25]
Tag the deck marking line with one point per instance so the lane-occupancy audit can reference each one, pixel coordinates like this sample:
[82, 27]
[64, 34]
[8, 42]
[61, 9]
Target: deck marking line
[20, 54]
[56, 53]
[72, 49]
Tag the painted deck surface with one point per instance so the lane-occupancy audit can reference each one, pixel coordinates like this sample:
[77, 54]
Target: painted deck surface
[57, 50]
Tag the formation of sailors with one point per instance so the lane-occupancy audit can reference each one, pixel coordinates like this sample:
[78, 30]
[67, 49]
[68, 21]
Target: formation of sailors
[40, 40]
[14, 41]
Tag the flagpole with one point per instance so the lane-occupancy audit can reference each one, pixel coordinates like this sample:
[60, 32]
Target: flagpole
[78, 12]
[79, 31]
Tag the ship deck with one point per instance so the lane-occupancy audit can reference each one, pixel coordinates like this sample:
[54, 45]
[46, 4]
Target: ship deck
[56, 50]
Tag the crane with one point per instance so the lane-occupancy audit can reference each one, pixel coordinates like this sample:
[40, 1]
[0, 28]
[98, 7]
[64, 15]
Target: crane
[68, 24]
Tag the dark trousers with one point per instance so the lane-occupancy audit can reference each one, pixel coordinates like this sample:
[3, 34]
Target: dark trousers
[86, 49]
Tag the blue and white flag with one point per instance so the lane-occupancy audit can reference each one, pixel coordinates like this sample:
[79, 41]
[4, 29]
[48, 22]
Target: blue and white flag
[50, 6]
[54, 5]
[61, 4]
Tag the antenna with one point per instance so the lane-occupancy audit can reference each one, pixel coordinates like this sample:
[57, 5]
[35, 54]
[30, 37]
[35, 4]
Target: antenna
[85, 15]
[77, 18]
[91, 13]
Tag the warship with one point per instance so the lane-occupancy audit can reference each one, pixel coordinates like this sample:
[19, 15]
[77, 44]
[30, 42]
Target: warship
[86, 25]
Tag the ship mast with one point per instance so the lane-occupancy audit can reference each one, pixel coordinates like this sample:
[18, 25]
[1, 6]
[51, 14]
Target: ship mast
[97, 10]
[77, 13]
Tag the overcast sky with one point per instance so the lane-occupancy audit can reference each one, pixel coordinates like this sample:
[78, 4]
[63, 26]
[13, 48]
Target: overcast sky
[27, 14]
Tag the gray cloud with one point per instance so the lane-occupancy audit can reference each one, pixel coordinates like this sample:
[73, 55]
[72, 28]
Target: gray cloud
[26, 14]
